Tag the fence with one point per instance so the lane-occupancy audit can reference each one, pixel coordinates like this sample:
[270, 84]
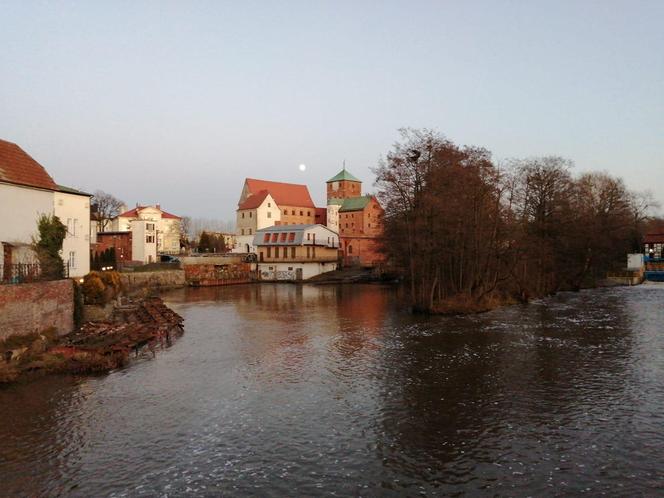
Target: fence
[22, 273]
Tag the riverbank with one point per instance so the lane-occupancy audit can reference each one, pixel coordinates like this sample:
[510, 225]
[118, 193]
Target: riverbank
[132, 329]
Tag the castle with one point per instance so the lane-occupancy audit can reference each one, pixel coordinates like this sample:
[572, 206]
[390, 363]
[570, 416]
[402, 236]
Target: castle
[356, 218]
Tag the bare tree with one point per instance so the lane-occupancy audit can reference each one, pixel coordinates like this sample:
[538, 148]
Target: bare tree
[105, 207]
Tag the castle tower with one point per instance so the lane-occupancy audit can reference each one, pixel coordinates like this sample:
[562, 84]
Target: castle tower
[343, 186]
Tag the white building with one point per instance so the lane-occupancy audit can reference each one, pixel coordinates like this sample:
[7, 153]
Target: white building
[265, 203]
[167, 226]
[144, 241]
[296, 252]
[73, 208]
[27, 191]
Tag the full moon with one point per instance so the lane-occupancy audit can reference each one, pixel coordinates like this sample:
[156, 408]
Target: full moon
[303, 167]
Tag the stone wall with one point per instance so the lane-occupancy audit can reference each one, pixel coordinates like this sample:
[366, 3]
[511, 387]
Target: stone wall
[29, 308]
[135, 281]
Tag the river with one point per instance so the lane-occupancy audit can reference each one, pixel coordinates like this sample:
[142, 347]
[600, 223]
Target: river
[284, 390]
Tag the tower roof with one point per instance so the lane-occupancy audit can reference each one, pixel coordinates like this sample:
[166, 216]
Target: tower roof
[343, 175]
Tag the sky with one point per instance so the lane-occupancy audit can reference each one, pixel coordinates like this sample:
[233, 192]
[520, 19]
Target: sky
[177, 102]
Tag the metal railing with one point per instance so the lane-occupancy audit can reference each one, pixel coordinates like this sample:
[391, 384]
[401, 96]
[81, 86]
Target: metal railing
[22, 273]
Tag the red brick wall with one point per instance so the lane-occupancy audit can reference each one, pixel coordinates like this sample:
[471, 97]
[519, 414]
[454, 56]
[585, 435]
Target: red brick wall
[121, 242]
[28, 308]
[346, 189]
[365, 251]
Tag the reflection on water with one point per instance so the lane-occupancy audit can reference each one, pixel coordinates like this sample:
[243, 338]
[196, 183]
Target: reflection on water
[278, 390]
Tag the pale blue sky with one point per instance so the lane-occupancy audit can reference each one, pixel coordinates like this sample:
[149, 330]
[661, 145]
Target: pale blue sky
[176, 102]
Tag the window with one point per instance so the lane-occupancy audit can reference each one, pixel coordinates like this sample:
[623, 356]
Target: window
[291, 237]
[274, 237]
[269, 204]
[285, 212]
[73, 227]
[308, 213]
[250, 213]
[269, 252]
[242, 231]
[72, 259]
[301, 213]
[308, 236]
[250, 231]
[308, 252]
[350, 249]
[269, 214]
[292, 252]
[261, 256]
[266, 237]
[242, 215]
[148, 226]
[293, 212]
[149, 239]
[276, 252]
[282, 237]
[313, 251]
[346, 225]
[290, 268]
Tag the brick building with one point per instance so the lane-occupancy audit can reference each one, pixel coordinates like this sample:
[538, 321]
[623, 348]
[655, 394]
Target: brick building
[121, 242]
[356, 218]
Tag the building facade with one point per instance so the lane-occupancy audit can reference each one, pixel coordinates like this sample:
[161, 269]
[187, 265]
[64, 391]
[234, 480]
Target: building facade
[357, 218]
[296, 252]
[166, 228]
[27, 191]
[265, 203]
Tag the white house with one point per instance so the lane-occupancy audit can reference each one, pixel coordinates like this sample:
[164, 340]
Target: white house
[265, 203]
[73, 208]
[27, 191]
[296, 252]
[167, 226]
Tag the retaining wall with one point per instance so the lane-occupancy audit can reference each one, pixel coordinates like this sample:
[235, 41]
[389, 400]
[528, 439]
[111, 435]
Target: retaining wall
[29, 308]
[133, 281]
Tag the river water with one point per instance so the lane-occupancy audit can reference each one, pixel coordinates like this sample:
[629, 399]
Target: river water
[284, 390]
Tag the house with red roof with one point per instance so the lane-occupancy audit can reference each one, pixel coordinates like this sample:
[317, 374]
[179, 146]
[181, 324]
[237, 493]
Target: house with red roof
[27, 191]
[265, 203]
[154, 231]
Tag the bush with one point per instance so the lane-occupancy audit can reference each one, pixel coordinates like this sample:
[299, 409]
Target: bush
[101, 287]
[93, 288]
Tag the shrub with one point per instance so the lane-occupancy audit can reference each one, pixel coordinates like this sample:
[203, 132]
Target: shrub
[93, 288]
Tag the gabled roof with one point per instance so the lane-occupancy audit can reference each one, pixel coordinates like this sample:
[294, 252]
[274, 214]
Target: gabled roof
[254, 201]
[17, 167]
[655, 237]
[133, 213]
[284, 194]
[355, 203]
[343, 175]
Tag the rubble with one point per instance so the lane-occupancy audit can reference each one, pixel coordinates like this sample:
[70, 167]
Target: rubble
[136, 327]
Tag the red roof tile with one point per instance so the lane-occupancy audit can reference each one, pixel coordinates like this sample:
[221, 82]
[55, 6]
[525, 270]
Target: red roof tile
[133, 213]
[654, 237]
[16, 166]
[284, 194]
[255, 200]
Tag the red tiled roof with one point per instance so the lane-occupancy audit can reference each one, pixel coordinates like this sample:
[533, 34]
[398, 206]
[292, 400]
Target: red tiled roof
[133, 213]
[16, 166]
[255, 200]
[654, 237]
[284, 194]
